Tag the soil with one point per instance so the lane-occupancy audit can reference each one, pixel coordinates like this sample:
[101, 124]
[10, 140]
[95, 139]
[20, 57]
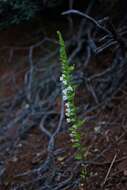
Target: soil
[104, 136]
[105, 141]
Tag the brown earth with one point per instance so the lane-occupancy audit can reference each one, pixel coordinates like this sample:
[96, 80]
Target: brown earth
[105, 139]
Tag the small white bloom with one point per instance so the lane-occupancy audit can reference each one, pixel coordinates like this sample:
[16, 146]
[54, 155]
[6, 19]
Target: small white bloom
[72, 140]
[68, 120]
[64, 82]
[74, 126]
[67, 114]
[67, 105]
[65, 92]
[73, 133]
[68, 110]
[64, 98]
[69, 88]
[61, 78]
[73, 120]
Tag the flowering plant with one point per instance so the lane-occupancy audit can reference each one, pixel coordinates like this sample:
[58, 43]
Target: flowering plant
[68, 92]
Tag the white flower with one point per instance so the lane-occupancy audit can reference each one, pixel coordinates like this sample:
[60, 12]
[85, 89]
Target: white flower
[67, 105]
[69, 88]
[68, 120]
[73, 132]
[67, 114]
[74, 126]
[64, 98]
[72, 140]
[71, 135]
[65, 91]
[61, 78]
[68, 110]
[64, 82]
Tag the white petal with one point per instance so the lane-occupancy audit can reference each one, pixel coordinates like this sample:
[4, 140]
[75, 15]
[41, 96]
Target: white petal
[74, 126]
[68, 110]
[64, 82]
[67, 105]
[61, 78]
[68, 120]
[70, 88]
[64, 98]
[65, 91]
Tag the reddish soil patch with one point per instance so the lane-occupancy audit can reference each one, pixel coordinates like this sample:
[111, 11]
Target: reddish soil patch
[106, 144]
[105, 139]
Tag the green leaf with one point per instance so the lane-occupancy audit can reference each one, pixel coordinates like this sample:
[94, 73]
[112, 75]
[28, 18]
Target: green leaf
[76, 145]
[78, 156]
